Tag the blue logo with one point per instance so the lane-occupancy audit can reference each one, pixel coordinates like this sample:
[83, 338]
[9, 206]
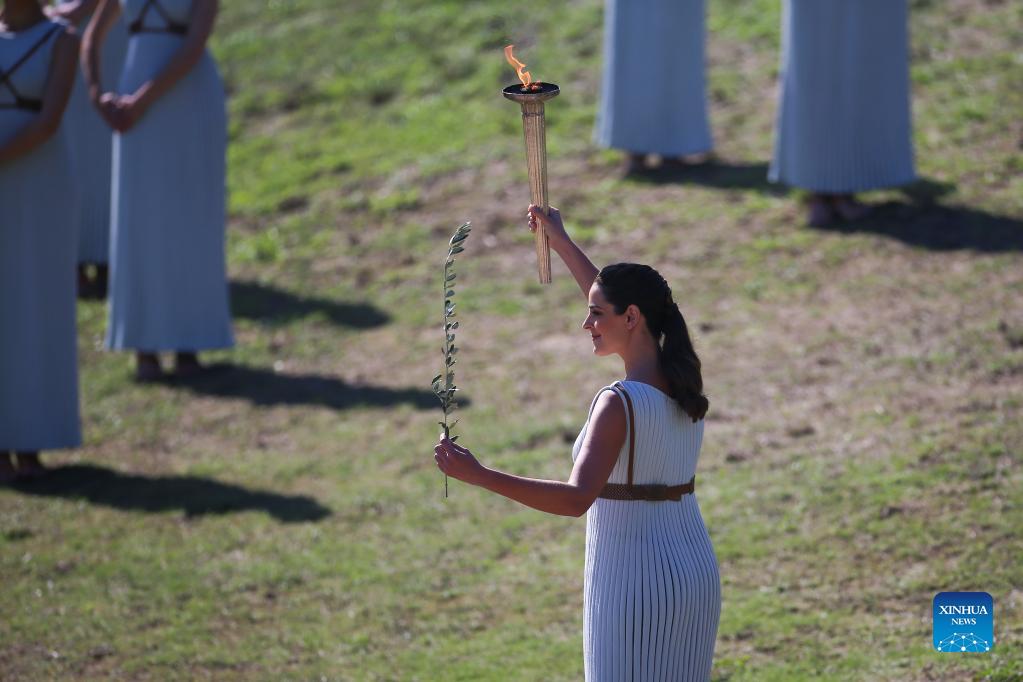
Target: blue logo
[964, 622]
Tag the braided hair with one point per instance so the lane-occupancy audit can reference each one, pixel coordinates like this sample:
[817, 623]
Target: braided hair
[625, 284]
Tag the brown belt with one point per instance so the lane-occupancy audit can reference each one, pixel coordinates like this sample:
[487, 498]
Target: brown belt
[645, 492]
[648, 492]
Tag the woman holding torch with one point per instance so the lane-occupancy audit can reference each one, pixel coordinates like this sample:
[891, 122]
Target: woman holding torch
[652, 594]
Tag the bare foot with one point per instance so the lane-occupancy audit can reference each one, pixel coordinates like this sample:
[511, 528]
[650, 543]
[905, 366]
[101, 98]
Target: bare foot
[848, 208]
[635, 163]
[7, 471]
[691, 160]
[821, 212]
[187, 365]
[84, 283]
[29, 465]
[102, 281]
[147, 367]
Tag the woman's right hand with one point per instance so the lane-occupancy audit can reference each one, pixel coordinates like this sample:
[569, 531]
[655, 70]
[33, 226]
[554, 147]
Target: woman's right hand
[552, 224]
[107, 104]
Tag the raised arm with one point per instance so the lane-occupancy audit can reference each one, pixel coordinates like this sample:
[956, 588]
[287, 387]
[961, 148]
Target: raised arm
[45, 124]
[92, 42]
[578, 264]
[597, 456]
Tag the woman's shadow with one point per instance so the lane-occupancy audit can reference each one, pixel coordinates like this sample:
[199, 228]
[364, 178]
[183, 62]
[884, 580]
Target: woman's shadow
[272, 306]
[193, 495]
[266, 387]
[923, 221]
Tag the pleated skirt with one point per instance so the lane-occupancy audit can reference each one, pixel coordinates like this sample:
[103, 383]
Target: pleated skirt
[844, 122]
[652, 593]
[90, 139]
[38, 344]
[654, 90]
[168, 285]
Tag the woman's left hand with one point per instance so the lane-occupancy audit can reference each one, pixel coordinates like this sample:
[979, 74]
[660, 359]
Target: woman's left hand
[129, 110]
[458, 462]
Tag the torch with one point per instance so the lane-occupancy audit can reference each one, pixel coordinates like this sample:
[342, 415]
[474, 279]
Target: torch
[531, 97]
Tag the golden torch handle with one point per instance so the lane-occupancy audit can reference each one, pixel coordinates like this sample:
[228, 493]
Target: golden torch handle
[536, 165]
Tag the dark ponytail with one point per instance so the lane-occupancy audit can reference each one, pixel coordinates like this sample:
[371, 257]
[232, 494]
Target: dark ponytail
[625, 284]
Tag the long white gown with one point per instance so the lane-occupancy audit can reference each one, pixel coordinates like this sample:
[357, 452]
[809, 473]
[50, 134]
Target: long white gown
[38, 244]
[91, 140]
[844, 122]
[652, 593]
[654, 93]
[168, 286]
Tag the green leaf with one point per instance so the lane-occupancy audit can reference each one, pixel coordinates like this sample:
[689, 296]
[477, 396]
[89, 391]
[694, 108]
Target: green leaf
[450, 278]
[451, 337]
[451, 325]
[437, 379]
[455, 250]
[449, 293]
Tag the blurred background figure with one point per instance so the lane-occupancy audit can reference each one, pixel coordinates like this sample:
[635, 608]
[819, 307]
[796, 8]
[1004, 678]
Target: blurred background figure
[653, 97]
[38, 239]
[844, 117]
[90, 140]
[168, 287]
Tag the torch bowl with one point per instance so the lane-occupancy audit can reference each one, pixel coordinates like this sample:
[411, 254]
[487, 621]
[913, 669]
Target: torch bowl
[522, 93]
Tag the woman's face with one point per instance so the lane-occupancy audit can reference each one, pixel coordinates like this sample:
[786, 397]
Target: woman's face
[610, 332]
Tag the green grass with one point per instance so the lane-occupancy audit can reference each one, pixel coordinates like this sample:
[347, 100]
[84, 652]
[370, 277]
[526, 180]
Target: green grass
[284, 520]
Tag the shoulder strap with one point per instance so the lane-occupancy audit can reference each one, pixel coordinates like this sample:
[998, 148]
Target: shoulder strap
[620, 388]
[5, 76]
[29, 52]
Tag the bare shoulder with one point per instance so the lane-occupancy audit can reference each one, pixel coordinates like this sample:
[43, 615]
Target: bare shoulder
[608, 412]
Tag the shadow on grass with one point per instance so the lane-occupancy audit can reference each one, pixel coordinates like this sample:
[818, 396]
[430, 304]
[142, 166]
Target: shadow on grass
[720, 174]
[930, 225]
[263, 303]
[266, 387]
[193, 495]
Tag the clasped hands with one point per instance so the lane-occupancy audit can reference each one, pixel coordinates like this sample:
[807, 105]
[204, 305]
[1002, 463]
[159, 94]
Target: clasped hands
[121, 112]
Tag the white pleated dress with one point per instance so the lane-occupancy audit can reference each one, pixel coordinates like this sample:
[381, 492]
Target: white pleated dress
[844, 122]
[38, 244]
[91, 138]
[652, 593]
[168, 286]
[654, 91]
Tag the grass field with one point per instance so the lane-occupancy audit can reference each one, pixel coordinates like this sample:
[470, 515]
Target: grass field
[283, 518]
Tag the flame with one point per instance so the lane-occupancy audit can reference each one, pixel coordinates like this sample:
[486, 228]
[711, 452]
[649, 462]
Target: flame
[520, 68]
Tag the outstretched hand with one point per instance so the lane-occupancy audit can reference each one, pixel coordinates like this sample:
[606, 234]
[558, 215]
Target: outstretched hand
[552, 223]
[458, 462]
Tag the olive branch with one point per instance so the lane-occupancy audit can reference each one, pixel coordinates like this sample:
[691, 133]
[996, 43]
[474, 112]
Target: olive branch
[444, 384]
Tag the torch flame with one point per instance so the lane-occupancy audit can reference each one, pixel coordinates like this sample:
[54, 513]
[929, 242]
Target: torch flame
[520, 68]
